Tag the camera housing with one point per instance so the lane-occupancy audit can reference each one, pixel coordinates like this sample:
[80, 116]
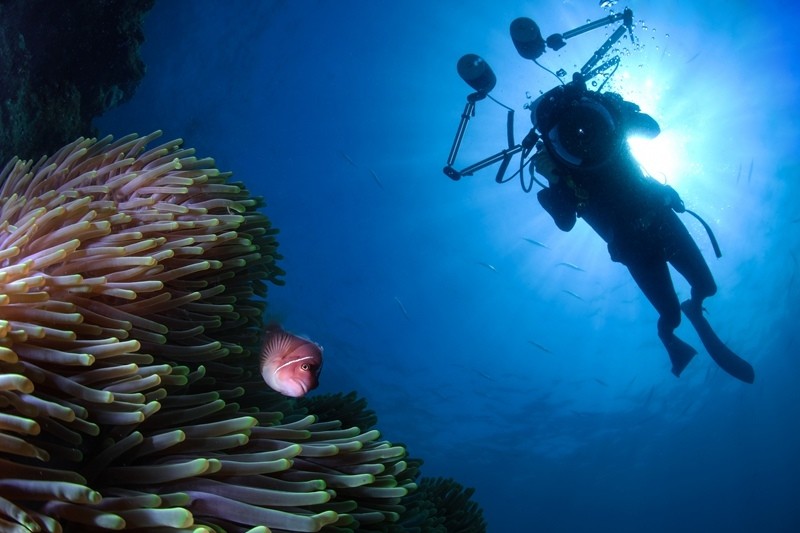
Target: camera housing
[577, 126]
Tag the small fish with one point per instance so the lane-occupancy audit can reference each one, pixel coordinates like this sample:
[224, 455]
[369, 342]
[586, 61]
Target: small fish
[485, 375]
[376, 178]
[290, 364]
[347, 158]
[537, 243]
[601, 382]
[739, 174]
[542, 348]
[750, 172]
[693, 57]
[573, 295]
[487, 265]
[573, 267]
[402, 308]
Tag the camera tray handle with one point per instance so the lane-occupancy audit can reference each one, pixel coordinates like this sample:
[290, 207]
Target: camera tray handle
[503, 155]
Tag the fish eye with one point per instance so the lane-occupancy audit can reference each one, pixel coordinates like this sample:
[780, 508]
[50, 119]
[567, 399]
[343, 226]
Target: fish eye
[305, 367]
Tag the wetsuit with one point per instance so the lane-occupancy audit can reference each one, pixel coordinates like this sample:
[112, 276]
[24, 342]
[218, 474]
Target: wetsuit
[633, 213]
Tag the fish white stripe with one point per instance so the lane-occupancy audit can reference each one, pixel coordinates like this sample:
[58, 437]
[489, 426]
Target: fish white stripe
[292, 362]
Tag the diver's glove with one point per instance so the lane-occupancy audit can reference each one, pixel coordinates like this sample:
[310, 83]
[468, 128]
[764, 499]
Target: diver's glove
[673, 200]
[560, 205]
[544, 165]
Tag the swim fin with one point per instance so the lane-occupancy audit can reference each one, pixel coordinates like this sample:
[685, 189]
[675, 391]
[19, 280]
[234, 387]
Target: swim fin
[721, 354]
[680, 353]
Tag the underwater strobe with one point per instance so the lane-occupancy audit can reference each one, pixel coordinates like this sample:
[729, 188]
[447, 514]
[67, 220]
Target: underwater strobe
[474, 70]
[572, 125]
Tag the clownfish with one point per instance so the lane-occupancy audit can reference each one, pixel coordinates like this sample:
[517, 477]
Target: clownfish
[290, 364]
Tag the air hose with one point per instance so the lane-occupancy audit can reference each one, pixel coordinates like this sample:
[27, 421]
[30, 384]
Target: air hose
[714, 243]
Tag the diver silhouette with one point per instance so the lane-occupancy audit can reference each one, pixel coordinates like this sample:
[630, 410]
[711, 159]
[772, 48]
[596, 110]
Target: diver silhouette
[591, 174]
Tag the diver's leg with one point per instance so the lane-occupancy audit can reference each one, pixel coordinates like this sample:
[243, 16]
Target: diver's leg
[683, 253]
[654, 280]
[685, 256]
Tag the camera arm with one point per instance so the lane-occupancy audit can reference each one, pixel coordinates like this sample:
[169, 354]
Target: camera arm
[503, 155]
[469, 112]
[627, 15]
[529, 43]
[558, 40]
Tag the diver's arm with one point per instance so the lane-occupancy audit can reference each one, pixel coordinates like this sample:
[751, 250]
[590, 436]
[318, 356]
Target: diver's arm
[557, 199]
[634, 122]
[545, 166]
[642, 125]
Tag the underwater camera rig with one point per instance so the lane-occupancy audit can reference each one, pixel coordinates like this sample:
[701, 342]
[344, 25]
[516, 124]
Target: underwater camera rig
[570, 121]
[576, 126]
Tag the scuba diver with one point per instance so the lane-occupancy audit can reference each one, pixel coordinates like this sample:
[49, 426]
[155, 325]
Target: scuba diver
[580, 137]
[592, 175]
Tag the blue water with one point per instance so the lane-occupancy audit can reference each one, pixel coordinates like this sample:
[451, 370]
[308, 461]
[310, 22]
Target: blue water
[542, 386]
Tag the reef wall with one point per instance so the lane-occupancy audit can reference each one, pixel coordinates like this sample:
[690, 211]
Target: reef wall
[61, 65]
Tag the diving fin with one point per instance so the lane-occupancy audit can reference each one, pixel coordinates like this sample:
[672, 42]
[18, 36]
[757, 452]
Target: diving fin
[680, 353]
[721, 354]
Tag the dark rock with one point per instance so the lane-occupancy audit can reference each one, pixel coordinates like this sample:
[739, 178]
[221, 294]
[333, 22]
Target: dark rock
[62, 63]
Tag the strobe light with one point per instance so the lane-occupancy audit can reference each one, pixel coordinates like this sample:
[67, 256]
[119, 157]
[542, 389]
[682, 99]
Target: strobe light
[527, 38]
[477, 73]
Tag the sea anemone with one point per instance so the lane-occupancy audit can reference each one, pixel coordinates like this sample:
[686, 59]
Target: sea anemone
[132, 288]
[442, 505]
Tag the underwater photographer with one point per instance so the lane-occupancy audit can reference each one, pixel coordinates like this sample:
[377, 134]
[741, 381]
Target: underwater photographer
[592, 175]
[580, 137]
